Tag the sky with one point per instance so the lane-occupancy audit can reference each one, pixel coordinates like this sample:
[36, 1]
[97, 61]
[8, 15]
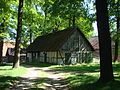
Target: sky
[95, 29]
[92, 11]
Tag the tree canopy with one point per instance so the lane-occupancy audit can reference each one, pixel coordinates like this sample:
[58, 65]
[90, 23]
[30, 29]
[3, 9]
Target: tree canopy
[41, 17]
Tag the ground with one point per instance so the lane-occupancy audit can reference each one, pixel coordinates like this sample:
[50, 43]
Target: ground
[52, 80]
[55, 77]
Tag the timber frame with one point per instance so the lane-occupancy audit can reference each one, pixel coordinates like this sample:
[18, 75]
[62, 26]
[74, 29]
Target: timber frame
[68, 46]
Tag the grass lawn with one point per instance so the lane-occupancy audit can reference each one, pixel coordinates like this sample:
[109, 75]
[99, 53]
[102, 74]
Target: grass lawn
[36, 64]
[84, 77]
[9, 76]
[79, 77]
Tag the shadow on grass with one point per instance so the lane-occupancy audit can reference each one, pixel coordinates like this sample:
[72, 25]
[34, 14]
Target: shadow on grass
[89, 82]
[80, 79]
[50, 84]
[19, 83]
[36, 64]
[116, 67]
[6, 64]
[44, 83]
[76, 82]
[78, 68]
[85, 82]
[6, 69]
[7, 81]
[114, 85]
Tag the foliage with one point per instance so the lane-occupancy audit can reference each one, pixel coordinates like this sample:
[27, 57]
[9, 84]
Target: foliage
[41, 17]
[7, 15]
[114, 10]
[68, 9]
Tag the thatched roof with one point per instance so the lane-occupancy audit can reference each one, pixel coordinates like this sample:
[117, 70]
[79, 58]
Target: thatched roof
[54, 41]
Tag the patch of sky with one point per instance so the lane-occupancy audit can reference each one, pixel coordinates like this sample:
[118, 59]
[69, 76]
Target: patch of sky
[89, 4]
[40, 10]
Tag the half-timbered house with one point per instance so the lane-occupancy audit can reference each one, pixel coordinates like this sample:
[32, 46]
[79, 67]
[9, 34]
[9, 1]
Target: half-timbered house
[66, 46]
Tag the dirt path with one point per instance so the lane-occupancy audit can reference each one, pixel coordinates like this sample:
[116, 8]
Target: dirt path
[53, 80]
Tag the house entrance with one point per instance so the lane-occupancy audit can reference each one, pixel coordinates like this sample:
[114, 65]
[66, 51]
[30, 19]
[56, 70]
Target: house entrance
[67, 58]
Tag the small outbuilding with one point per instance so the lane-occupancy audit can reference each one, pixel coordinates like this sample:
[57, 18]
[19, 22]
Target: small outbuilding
[6, 51]
[68, 46]
[95, 43]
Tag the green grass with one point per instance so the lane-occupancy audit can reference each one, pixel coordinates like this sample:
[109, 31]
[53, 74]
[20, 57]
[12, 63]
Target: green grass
[8, 71]
[37, 64]
[115, 85]
[7, 81]
[85, 76]
[79, 77]
[78, 68]
[9, 76]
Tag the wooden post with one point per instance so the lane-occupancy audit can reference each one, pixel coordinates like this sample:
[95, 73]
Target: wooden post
[32, 57]
[1, 49]
[73, 20]
[38, 58]
[45, 57]
[57, 57]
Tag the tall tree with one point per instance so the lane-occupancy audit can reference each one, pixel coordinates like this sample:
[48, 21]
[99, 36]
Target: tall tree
[73, 13]
[106, 71]
[4, 17]
[4, 21]
[18, 37]
[2, 27]
[118, 26]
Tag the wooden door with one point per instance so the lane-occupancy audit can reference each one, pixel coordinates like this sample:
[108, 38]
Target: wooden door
[67, 58]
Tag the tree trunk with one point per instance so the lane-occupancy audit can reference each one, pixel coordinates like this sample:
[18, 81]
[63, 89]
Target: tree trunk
[117, 40]
[70, 21]
[31, 36]
[45, 57]
[106, 71]
[18, 37]
[1, 50]
[116, 50]
[2, 28]
[73, 21]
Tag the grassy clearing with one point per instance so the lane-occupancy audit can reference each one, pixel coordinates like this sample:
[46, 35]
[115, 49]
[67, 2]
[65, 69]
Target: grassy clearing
[8, 71]
[82, 68]
[81, 76]
[84, 76]
[9, 76]
[36, 64]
